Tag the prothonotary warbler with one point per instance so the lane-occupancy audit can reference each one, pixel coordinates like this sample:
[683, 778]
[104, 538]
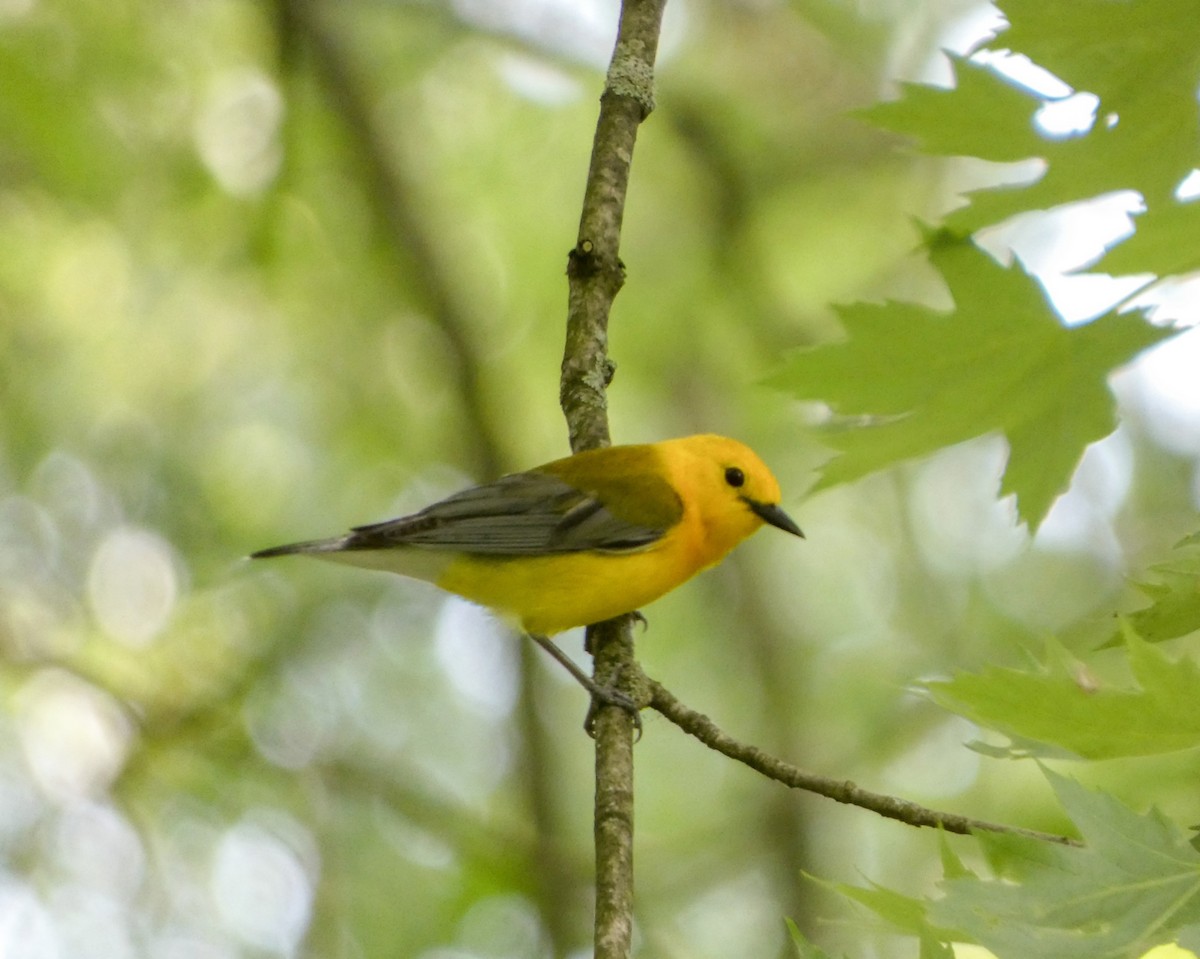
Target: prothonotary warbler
[580, 540]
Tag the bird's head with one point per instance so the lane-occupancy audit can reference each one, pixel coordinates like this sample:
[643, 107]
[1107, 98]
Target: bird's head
[732, 488]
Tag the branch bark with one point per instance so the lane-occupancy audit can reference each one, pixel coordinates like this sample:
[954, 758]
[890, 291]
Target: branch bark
[595, 276]
[842, 790]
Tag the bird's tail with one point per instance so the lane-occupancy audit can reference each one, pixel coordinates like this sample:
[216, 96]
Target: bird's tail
[331, 545]
[426, 564]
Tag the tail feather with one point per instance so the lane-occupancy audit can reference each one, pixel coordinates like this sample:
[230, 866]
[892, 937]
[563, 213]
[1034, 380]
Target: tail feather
[413, 561]
[332, 545]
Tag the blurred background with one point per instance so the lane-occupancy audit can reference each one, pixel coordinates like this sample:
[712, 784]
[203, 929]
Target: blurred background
[268, 270]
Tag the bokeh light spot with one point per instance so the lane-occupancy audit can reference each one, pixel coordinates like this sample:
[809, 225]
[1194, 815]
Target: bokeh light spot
[133, 585]
[237, 132]
[75, 737]
[261, 886]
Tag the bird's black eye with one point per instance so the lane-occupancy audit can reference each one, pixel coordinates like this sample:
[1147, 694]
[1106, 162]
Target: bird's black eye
[734, 476]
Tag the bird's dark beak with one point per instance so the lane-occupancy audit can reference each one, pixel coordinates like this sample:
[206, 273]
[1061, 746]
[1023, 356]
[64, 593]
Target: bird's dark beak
[771, 513]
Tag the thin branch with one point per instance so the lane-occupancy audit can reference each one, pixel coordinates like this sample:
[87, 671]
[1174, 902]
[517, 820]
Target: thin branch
[595, 276]
[842, 790]
[594, 269]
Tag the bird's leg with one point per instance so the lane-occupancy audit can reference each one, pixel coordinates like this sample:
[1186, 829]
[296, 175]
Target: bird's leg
[601, 695]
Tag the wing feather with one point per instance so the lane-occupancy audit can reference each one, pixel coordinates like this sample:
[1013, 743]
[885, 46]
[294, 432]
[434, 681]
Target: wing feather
[524, 514]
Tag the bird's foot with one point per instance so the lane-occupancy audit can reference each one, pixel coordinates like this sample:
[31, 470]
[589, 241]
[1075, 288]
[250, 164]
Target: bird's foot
[611, 696]
[608, 695]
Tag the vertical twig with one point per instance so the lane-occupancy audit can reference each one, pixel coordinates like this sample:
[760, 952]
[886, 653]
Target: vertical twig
[595, 276]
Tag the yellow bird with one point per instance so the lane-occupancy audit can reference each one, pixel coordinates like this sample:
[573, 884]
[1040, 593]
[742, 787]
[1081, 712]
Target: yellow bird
[580, 540]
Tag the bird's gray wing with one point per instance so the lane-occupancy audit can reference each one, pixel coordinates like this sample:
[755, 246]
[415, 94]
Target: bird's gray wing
[524, 514]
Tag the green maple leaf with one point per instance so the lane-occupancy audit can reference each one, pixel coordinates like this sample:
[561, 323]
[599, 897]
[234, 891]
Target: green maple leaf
[1140, 59]
[1057, 705]
[804, 948]
[1165, 242]
[1175, 607]
[951, 122]
[1001, 363]
[1134, 885]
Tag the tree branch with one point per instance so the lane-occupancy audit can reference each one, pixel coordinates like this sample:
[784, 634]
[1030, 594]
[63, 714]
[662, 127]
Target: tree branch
[594, 270]
[595, 276]
[842, 790]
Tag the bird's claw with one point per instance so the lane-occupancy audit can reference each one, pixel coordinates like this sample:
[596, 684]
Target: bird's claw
[607, 695]
[611, 696]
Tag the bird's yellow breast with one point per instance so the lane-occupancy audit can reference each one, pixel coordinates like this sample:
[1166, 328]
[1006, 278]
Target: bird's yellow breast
[548, 594]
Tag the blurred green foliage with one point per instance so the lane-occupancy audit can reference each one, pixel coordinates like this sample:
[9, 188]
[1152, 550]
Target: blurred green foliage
[270, 270]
